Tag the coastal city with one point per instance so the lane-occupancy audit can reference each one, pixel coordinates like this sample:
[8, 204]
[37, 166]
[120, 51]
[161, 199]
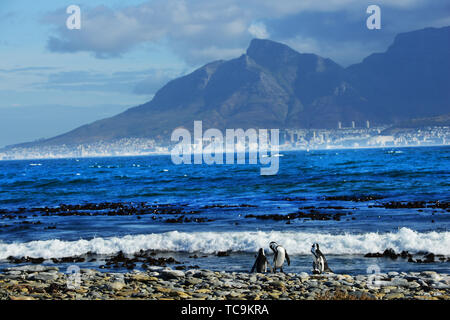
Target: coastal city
[352, 137]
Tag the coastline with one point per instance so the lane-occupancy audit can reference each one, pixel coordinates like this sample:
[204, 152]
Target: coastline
[39, 282]
[168, 153]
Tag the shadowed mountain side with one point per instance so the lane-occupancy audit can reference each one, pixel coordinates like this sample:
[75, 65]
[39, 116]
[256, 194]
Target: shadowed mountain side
[409, 80]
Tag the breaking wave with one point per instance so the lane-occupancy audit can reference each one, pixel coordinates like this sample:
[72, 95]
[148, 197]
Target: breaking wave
[210, 242]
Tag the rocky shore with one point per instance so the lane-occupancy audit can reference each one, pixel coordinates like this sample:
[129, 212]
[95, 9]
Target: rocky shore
[36, 282]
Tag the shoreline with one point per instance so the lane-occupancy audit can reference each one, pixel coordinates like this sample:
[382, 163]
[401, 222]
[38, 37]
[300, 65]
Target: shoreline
[330, 148]
[39, 282]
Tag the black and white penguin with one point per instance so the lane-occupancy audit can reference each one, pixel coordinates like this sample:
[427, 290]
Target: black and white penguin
[320, 264]
[261, 262]
[280, 254]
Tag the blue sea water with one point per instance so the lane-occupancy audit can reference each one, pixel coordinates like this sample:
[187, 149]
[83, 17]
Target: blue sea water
[224, 195]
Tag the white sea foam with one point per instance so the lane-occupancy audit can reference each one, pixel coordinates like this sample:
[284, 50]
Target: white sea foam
[209, 242]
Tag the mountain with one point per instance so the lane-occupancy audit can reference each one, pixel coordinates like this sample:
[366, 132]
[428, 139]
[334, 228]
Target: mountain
[409, 80]
[274, 86]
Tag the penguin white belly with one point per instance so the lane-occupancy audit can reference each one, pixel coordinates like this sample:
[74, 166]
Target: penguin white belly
[321, 264]
[280, 257]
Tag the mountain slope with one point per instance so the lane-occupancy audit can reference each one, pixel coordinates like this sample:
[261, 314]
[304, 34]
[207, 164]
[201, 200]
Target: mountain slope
[409, 80]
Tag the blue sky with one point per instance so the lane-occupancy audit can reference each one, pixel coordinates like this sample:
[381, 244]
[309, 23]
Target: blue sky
[126, 50]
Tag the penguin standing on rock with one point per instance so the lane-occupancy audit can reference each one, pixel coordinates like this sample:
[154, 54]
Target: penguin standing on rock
[320, 264]
[261, 262]
[280, 254]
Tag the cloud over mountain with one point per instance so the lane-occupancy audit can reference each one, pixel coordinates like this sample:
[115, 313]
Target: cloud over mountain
[204, 30]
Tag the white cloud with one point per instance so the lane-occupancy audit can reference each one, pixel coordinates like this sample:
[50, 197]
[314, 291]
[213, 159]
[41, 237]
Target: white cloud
[258, 30]
[185, 26]
[190, 29]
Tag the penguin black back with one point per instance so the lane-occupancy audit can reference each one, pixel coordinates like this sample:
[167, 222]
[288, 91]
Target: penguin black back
[320, 263]
[261, 262]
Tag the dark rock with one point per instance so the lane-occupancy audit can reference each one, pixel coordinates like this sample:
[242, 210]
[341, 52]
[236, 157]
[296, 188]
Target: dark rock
[390, 253]
[223, 253]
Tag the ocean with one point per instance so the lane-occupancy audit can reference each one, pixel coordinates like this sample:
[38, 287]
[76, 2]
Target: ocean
[351, 202]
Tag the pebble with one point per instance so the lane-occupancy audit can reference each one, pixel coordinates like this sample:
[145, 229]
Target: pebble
[43, 282]
[172, 274]
[116, 285]
[44, 276]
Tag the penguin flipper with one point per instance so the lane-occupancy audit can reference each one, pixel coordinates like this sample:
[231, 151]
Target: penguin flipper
[270, 267]
[327, 268]
[254, 266]
[287, 258]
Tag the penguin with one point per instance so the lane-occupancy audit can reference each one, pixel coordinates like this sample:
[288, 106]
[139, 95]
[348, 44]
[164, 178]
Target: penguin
[261, 262]
[320, 264]
[280, 254]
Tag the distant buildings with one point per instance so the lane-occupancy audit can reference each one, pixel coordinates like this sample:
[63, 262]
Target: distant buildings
[363, 137]
[353, 124]
[290, 139]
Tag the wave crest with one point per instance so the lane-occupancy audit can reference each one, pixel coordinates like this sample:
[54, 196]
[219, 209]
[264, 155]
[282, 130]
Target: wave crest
[296, 243]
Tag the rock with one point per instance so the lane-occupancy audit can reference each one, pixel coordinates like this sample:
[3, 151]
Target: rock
[163, 289]
[303, 275]
[278, 284]
[203, 291]
[116, 285]
[21, 298]
[223, 253]
[424, 298]
[95, 295]
[413, 285]
[44, 276]
[193, 281]
[430, 274]
[234, 294]
[400, 282]
[143, 277]
[88, 272]
[440, 285]
[395, 295]
[204, 274]
[172, 274]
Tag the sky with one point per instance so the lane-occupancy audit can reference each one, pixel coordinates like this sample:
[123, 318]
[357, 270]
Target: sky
[126, 50]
